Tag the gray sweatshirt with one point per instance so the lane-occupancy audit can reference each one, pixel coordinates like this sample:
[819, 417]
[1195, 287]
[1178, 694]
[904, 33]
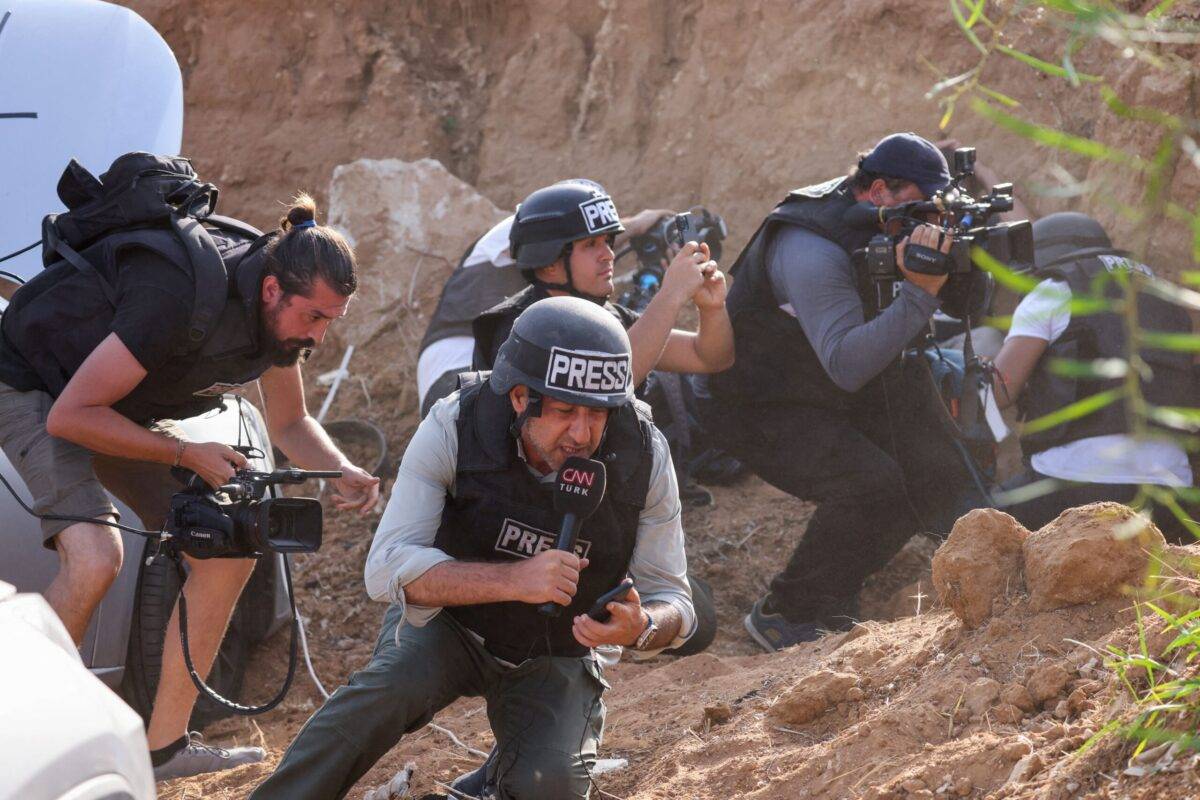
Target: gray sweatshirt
[813, 280]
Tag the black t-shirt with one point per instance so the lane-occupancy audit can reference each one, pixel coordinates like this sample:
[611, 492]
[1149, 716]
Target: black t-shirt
[154, 304]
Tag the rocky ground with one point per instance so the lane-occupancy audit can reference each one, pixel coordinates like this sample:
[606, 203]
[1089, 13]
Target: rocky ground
[998, 703]
[419, 124]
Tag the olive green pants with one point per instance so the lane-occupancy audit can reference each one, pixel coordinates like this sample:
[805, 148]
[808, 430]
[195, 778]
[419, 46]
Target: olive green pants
[547, 715]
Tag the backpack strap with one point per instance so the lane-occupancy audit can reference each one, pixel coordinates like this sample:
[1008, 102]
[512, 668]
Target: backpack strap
[233, 226]
[211, 277]
[51, 241]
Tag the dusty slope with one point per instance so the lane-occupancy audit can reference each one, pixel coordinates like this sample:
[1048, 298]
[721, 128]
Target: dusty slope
[729, 104]
[722, 103]
[928, 705]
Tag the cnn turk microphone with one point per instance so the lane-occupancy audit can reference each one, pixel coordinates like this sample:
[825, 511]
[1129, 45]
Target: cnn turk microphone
[578, 491]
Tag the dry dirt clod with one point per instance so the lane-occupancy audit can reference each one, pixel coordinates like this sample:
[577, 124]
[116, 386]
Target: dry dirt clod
[1077, 701]
[1017, 695]
[978, 563]
[1047, 681]
[1024, 769]
[812, 697]
[963, 787]
[981, 695]
[1007, 714]
[1012, 751]
[1088, 553]
[1062, 710]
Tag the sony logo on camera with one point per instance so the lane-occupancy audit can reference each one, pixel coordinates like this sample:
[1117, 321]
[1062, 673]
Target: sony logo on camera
[599, 213]
[594, 373]
[525, 541]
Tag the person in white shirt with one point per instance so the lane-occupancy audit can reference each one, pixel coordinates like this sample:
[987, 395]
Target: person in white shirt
[1093, 457]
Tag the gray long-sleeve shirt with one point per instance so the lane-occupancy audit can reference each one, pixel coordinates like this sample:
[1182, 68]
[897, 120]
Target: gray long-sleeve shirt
[403, 549]
[813, 279]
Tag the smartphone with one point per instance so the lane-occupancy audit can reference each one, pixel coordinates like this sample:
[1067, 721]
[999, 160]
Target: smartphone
[599, 610]
[684, 229]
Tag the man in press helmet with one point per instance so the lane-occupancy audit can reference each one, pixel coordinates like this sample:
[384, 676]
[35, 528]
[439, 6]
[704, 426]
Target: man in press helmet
[562, 241]
[1093, 457]
[465, 554]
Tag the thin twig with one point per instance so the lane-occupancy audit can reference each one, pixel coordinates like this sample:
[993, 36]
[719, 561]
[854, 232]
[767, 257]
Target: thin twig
[458, 741]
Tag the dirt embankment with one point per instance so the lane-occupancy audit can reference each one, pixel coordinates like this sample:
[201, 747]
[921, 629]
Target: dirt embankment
[727, 105]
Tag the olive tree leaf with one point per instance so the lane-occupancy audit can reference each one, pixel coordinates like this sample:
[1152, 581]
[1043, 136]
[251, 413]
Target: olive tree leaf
[997, 96]
[1052, 137]
[1093, 369]
[1045, 66]
[966, 28]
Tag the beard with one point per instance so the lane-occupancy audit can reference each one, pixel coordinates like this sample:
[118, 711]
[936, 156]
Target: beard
[281, 352]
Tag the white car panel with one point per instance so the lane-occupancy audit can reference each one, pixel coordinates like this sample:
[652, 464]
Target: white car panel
[64, 733]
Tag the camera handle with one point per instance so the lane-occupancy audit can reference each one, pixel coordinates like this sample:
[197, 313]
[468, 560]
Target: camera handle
[198, 682]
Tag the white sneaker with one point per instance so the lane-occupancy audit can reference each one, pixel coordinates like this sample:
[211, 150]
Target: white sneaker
[197, 758]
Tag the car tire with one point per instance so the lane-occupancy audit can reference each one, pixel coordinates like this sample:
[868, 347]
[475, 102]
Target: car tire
[706, 619]
[158, 589]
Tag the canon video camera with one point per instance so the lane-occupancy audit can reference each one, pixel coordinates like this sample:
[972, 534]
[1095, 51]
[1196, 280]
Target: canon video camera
[238, 521]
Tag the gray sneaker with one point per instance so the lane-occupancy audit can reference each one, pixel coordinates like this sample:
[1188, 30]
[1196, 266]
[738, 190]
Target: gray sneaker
[197, 758]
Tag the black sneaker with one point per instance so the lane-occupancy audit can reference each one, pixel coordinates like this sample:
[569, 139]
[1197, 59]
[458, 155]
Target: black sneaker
[774, 633]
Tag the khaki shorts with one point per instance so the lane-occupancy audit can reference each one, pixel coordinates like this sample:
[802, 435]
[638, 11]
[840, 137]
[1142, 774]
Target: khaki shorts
[67, 479]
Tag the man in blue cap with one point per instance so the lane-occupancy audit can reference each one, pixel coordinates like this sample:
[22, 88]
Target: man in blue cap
[824, 407]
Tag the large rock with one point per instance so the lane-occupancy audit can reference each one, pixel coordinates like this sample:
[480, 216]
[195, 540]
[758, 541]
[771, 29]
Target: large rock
[812, 696]
[409, 223]
[1087, 554]
[979, 562]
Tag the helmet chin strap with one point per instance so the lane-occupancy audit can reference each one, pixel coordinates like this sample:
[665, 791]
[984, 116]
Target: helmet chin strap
[533, 408]
[569, 286]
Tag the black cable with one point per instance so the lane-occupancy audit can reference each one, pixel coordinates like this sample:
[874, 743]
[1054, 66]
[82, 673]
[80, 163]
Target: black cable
[16, 253]
[12, 276]
[72, 518]
[199, 683]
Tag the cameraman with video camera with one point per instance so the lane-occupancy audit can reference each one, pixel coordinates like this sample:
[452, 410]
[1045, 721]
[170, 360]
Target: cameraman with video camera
[485, 600]
[142, 325]
[819, 402]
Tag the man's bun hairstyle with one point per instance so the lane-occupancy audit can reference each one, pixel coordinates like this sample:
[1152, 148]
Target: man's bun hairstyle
[302, 251]
[303, 209]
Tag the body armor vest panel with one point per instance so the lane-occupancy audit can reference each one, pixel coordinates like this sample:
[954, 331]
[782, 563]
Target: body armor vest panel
[500, 512]
[775, 362]
[1094, 336]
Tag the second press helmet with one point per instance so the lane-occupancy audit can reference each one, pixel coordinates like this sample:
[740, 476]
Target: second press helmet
[553, 217]
[568, 349]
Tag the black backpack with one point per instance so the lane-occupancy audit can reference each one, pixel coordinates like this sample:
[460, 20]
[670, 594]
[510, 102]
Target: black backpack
[143, 191]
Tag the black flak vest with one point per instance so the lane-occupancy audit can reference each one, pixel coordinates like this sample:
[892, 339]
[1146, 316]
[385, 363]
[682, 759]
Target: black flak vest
[1094, 336]
[774, 361]
[501, 513]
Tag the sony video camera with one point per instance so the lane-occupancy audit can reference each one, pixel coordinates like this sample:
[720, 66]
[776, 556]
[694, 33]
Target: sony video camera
[238, 521]
[699, 225]
[957, 214]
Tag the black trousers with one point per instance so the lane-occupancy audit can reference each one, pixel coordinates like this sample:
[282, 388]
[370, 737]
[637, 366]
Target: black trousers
[1039, 511]
[879, 473]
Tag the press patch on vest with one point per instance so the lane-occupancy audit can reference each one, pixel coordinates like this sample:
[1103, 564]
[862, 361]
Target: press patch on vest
[599, 213]
[1123, 264]
[218, 389]
[525, 541]
[591, 373]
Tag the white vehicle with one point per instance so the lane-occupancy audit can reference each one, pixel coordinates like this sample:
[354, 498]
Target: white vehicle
[65, 735]
[90, 80]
